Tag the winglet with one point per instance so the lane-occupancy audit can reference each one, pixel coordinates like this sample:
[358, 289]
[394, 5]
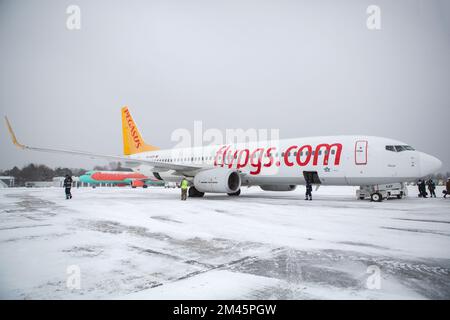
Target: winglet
[13, 136]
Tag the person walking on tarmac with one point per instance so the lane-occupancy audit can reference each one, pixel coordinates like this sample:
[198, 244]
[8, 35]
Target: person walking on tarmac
[422, 188]
[67, 186]
[184, 189]
[308, 195]
[431, 187]
[447, 188]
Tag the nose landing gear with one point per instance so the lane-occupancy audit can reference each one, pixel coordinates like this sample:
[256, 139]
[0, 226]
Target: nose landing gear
[377, 193]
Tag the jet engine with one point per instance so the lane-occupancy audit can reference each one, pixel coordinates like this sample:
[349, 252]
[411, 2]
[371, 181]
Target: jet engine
[276, 187]
[217, 180]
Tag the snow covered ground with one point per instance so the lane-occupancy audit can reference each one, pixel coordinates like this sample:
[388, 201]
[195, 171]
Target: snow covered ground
[146, 244]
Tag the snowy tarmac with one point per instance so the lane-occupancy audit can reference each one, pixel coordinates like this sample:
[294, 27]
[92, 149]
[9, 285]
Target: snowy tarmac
[147, 244]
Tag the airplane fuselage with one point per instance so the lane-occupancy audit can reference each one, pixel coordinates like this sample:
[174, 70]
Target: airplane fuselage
[337, 160]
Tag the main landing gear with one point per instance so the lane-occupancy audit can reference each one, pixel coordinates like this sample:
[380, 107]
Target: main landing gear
[235, 194]
[194, 193]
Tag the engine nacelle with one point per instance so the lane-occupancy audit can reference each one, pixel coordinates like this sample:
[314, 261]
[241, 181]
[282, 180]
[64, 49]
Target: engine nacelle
[276, 187]
[217, 180]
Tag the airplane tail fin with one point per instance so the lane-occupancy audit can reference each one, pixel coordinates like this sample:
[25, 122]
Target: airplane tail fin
[132, 139]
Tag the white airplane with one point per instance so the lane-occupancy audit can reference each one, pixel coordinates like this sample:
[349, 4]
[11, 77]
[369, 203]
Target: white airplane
[272, 165]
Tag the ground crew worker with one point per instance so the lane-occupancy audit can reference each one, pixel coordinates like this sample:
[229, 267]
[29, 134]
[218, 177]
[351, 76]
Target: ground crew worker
[67, 186]
[422, 189]
[418, 187]
[431, 187]
[447, 187]
[308, 191]
[184, 188]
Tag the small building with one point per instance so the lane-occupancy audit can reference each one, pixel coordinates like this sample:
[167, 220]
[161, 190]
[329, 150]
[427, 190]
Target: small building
[76, 183]
[38, 184]
[7, 181]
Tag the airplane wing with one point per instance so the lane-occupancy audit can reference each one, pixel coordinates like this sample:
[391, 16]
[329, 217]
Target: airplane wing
[128, 161]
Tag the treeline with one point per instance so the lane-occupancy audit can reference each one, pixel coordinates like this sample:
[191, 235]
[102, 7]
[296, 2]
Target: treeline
[439, 176]
[40, 172]
[112, 166]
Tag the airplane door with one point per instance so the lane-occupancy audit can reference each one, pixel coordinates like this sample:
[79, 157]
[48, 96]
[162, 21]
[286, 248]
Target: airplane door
[311, 177]
[361, 152]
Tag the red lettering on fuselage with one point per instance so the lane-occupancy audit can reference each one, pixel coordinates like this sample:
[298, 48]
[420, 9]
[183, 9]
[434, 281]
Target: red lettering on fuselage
[286, 156]
[241, 164]
[307, 153]
[256, 155]
[303, 154]
[269, 155]
[234, 156]
[219, 154]
[327, 152]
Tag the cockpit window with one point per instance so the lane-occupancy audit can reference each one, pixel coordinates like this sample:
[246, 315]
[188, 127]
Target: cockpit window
[399, 148]
[390, 148]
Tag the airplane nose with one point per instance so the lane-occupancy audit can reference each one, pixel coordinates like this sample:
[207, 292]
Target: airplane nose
[429, 164]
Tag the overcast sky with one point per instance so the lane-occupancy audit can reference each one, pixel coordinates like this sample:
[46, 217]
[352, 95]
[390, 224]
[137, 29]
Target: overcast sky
[305, 67]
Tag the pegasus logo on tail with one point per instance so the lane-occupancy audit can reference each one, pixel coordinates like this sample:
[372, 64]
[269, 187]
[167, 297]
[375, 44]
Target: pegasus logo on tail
[133, 130]
[132, 139]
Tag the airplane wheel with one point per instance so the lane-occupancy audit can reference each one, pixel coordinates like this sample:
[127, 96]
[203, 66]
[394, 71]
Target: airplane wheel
[376, 197]
[235, 194]
[361, 198]
[194, 193]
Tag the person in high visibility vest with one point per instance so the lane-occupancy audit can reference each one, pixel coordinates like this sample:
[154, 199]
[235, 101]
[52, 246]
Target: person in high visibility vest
[184, 188]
